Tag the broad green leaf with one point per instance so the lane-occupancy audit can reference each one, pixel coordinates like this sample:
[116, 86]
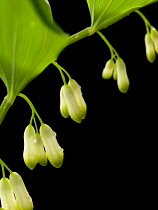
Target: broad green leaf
[29, 41]
[106, 12]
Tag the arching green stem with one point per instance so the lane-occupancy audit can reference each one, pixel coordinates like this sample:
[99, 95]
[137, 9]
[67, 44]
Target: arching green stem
[147, 23]
[31, 106]
[81, 34]
[60, 68]
[4, 165]
[114, 53]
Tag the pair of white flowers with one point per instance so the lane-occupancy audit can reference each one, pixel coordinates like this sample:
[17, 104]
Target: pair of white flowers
[40, 146]
[151, 44]
[71, 101]
[117, 70]
[13, 193]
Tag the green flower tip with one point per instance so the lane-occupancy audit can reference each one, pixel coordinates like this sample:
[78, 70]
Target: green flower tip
[13, 193]
[71, 101]
[40, 146]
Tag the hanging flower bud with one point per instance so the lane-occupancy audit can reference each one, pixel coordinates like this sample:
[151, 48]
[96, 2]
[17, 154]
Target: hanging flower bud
[73, 107]
[122, 78]
[76, 88]
[63, 106]
[115, 73]
[154, 36]
[150, 51]
[40, 152]
[108, 69]
[53, 151]
[23, 199]
[6, 194]
[29, 153]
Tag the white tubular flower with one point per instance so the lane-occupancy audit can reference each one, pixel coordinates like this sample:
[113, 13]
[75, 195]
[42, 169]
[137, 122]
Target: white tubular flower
[108, 69]
[40, 152]
[150, 51]
[154, 36]
[53, 151]
[29, 153]
[23, 199]
[76, 88]
[63, 106]
[73, 108]
[122, 78]
[6, 194]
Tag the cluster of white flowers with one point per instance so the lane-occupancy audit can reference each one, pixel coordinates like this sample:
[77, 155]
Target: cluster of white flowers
[151, 44]
[13, 193]
[71, 101]
[117, 70]
[40, 146]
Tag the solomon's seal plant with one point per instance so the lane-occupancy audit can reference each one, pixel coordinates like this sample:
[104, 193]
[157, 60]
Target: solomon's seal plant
[30, 40]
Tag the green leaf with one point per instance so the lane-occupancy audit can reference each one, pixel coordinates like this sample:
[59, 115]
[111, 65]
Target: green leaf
[106, 12]
[29, 41]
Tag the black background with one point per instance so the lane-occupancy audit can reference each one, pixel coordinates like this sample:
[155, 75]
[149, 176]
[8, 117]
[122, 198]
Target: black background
[111, 157]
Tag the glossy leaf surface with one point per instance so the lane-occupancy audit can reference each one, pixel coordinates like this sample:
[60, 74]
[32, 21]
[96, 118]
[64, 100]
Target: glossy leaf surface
[106, 12]
[29, 41]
